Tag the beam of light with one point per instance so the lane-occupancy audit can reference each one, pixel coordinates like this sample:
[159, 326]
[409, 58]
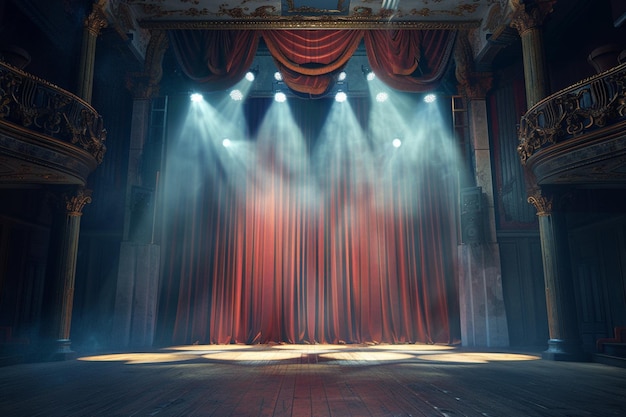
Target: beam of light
[280, 97]
[341, 96]
[396, 143]
[250, 76]
[430, 98]
[196, 97]
[226, 143]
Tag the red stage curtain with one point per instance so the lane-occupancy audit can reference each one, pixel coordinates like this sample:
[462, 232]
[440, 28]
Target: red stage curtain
[310, 60]
[293, 245]
[409, 60]
[218, 58]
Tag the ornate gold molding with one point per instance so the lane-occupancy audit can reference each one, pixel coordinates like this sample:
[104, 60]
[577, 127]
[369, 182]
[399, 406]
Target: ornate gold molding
[588, 105]
[76, 200]
[300, 22]
[39, 106]
[543, 204]
[96, 21]
[530, 14]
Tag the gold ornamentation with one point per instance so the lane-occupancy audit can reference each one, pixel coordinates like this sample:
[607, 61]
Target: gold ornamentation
[587, 105]
[96, 21]
[530, 15]
[75, 201]
[363, 22]
[37, 105]
[308, 9]
[542, 204]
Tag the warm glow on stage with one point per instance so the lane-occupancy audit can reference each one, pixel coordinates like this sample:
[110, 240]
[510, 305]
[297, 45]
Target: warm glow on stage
[139, 358]
[477, 357]
[321, 354]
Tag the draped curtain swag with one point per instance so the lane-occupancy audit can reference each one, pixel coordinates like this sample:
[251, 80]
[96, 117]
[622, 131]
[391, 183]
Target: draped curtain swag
[309, 60]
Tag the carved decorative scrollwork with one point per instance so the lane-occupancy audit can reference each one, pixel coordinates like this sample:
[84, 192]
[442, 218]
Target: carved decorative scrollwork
[37, 105]
[543, 204]
[76, 200]
[588, 105]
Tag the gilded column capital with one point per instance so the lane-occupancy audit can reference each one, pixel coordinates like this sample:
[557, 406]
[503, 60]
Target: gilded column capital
[542, 203]
[528, 15]
[96, 21]
[76, 200]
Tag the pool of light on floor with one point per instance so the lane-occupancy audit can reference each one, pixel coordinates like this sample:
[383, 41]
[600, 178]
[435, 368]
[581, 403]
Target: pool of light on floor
[311, 354]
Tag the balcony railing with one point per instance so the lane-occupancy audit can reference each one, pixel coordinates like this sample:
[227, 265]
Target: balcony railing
[36, 105]
[589, 105]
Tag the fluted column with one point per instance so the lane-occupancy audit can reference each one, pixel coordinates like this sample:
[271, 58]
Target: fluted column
[527, 19]
[95, 22]
[565, 342]
[62, 274]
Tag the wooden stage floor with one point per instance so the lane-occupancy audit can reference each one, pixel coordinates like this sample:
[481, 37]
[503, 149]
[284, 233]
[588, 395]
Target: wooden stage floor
[312, 380]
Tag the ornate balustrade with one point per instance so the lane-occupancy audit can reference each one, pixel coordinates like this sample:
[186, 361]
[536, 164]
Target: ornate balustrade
[581, 125]
[42, 125]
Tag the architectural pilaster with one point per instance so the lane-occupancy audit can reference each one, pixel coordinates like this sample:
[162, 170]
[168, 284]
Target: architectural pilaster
[483, 316]
[93, 24]
[527, 18]
[565, 342]
[61, 277]
[138, 270]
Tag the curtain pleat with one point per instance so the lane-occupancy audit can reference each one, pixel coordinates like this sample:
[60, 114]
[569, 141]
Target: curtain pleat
[409, 60]
[218, 59]
[302, 252]
[310, 60]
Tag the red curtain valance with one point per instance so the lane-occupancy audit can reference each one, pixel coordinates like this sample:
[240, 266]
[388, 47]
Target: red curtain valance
[218, 58]
[408, 60]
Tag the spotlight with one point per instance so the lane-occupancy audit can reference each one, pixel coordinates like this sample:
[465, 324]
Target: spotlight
[226, 143]
[280, 97]
[396, 143]
[278, 76]
[368, 73]
[340, 97]
[342, 76]
[430, 98]
[382, 97]
[196, 97]
[236, 95]
[251, 75]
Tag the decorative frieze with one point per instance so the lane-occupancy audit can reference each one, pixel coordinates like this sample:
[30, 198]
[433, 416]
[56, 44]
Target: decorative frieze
[36, 105]
[590, 104]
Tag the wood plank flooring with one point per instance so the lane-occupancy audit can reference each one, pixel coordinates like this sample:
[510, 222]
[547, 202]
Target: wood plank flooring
[312, 380]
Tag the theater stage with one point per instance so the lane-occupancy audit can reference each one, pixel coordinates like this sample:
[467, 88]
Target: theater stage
[312, 380]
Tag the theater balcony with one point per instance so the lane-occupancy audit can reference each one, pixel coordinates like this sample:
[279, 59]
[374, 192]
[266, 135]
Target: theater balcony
[47, 135]
[577, 136]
